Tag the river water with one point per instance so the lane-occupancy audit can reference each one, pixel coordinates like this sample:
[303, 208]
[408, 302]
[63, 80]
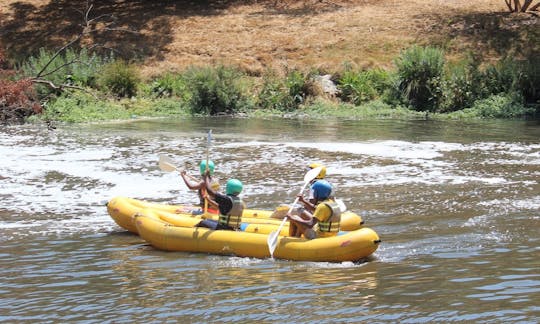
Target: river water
[456, 204]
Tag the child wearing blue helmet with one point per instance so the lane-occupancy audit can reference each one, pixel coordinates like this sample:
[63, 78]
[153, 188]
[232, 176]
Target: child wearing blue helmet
[324, 221]
[311, 202]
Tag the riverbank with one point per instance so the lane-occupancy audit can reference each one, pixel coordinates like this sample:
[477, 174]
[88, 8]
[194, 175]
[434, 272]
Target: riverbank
[260, 35]
[254, 58]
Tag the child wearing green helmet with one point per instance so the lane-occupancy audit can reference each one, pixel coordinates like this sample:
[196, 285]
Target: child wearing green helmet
[192, 184]
[230, 206]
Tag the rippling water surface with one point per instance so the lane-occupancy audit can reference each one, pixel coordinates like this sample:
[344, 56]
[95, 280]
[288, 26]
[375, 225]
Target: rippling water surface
[457, 206]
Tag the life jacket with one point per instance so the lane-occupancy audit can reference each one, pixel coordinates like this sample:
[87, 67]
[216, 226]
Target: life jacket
[332, 223]
[234, 216]
[202, 192]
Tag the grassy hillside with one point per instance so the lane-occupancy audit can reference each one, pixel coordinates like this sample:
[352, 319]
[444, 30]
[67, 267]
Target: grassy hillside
[256, 35]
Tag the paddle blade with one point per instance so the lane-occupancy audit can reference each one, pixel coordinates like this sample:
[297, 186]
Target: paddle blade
[312, 174]
[341, 204]
[272, 242]
[209, 138]
[166, 164]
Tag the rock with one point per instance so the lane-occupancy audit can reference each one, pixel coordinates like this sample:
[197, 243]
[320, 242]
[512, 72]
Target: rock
[326, 84]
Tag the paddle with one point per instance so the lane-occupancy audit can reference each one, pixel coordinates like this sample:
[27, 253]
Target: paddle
[167, 164]
[208, 142]
[341, 205]
[273, 236]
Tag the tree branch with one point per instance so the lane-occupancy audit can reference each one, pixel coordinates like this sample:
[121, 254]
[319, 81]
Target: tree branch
[56, 87]
[63, 48]
[509, 5]
[526, 5]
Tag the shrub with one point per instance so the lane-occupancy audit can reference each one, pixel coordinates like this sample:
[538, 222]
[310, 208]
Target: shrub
[120, 78]
[215, 91]
[461, 86]
[169, 85]
[501, 106]
[296, 83]
[364, 86]
[529, 83]
[419, 74]
[17, 97]
[274, 94]
[283, 94]
[502, 77]
[82, 107]
[78, 68]
[509, 76]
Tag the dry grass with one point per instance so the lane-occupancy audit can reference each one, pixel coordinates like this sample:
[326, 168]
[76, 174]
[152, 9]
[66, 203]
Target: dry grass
[256, 35]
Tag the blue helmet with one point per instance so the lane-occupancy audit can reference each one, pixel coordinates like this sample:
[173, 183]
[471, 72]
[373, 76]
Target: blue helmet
[321, 189]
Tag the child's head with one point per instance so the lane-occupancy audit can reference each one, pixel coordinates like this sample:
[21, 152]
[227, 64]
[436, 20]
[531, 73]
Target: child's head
[321, 190]
[233, 187]
[321, 174]
[203, 167]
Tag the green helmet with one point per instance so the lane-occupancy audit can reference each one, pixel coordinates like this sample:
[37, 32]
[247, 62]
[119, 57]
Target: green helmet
[211, 167]
[234, 187]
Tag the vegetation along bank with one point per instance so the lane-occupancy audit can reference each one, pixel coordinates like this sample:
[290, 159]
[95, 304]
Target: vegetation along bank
[77, 80]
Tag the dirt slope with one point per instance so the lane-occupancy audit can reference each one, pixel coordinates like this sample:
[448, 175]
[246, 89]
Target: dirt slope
[255, 35]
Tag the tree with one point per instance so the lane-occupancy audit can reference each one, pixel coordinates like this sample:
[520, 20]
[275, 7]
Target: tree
[89, 26]
[522, 5]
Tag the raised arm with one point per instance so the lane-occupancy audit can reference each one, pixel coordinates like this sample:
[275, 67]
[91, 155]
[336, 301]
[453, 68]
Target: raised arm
[189, 183]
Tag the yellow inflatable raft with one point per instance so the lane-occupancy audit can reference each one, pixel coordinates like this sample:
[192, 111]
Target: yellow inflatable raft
[350, 246]
[123, 209]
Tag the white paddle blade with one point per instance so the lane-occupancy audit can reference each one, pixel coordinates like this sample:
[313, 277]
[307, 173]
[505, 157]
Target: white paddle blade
[273, 237]
[209, 138]
[341, 204]
[166, 164]
[272, 242]
[312, 174]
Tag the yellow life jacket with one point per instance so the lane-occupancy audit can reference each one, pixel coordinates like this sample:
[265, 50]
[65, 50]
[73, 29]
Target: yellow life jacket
[332, 223]
[234, 216]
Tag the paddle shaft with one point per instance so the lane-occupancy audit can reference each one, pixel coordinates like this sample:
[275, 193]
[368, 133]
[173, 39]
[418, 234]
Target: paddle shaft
[290, 210]
[208, 140]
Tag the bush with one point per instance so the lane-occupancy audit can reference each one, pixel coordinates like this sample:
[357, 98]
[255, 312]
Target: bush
[119, 78]
[82, 107]
[17, 97]
[462, 85]
[529, 83]
[502, 77]
[419, 74]
[215, 91]
[296, 83]
[501, 106]
[364, 86]
[78, 68]
[169, 85]
[283, 94]
[274, 94]
[511, 76]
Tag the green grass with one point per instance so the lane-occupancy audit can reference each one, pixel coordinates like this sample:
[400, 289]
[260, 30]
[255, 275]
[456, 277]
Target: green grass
[83, 107]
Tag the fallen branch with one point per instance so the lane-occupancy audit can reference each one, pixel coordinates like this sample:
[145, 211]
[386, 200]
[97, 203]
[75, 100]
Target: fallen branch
[56, 87]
